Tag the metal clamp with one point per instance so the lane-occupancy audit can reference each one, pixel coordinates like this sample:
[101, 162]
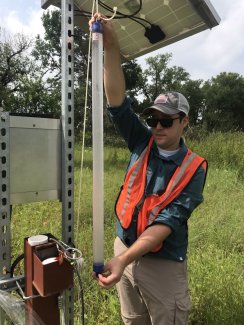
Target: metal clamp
[23, 295]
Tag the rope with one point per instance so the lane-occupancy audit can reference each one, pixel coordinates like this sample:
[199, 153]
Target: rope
[114, 14]
[70, 253]
[83, 133]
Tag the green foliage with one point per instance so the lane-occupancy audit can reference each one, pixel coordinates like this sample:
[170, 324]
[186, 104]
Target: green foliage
[23, 88]
[15, 65]
[48, 53]
[216, 251]
[133, 77]
[48, 50]
[222, 150]
[224, 98]
[193, 91]
[158, 77]
[29, 100]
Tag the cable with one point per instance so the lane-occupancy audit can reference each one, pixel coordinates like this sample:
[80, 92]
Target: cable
[12, 269]
[76, 260]
[81, 295]
[15, 263]
[70, 253]
[124, 15]
[119, 15]
[114, 14]
[81, 13]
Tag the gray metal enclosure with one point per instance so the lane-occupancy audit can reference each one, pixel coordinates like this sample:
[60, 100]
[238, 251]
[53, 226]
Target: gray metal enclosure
[35, 159]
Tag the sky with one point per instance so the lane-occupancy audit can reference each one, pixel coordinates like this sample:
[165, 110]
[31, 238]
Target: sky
[203, 55]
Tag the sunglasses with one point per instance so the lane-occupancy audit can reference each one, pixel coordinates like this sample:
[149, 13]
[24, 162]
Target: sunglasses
[165, 122]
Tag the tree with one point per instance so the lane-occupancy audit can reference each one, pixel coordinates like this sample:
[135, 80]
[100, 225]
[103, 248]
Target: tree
[133, 77]
[47, 52]
[23, 89]
[34, 97]
[14, 64]
[159, 78]
[224, 98]
[193, 91]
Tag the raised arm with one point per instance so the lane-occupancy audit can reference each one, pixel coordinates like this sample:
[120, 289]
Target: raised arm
[114, 82]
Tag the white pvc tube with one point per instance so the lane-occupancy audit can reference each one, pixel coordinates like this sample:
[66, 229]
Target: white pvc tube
[97, 139]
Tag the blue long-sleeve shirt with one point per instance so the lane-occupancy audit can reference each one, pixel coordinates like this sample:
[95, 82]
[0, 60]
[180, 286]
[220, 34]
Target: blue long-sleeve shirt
[159, 171]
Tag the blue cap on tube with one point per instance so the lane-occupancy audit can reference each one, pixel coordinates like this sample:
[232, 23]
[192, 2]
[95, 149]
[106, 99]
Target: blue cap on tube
[98, 268]
[97, 27]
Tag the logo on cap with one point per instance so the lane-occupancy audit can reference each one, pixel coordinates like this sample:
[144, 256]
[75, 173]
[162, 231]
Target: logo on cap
[161, 99]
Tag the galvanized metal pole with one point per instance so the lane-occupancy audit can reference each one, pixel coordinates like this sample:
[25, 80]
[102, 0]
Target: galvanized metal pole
[67, 32]
[5, 238]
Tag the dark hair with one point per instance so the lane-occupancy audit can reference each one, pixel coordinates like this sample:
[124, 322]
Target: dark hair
[182, 115]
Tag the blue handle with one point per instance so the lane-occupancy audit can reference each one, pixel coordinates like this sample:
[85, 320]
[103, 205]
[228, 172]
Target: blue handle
[98, 268]
[97, 27]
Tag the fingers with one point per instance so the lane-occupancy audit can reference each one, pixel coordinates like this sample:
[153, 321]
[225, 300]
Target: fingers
[107, 282]
[98, 16]
[112, 272]
[105, 274]
[106, 279]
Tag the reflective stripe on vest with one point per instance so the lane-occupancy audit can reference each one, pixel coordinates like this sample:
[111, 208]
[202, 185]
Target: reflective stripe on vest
[133, 190]
[130, 180]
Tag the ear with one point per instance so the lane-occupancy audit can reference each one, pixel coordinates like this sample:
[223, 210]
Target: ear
[185, 121]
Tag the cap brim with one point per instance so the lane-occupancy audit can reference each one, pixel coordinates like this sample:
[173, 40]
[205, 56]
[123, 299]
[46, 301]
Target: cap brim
[161, 108]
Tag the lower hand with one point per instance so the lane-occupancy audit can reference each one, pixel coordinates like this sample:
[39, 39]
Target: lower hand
[112, 273]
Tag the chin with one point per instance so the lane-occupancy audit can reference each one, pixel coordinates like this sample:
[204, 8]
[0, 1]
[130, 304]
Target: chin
[161, 144]
[165, 145]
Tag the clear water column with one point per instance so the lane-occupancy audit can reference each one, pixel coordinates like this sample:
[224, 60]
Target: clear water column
[97, 139]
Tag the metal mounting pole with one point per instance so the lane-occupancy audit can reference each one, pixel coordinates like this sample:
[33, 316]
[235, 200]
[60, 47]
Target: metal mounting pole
[67, 32]
[5, 239]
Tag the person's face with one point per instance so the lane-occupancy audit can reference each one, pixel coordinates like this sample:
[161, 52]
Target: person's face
[168, 138]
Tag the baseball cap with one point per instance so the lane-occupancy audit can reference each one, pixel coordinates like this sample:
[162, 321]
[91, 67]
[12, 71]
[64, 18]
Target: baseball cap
[169, 103]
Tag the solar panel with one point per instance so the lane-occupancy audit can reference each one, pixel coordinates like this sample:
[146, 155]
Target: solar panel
[157, 23]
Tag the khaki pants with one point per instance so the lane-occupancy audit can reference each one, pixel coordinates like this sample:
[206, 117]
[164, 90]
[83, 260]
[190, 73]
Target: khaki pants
[153, 291]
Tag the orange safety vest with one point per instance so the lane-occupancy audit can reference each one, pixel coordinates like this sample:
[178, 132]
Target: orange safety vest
[132, 193]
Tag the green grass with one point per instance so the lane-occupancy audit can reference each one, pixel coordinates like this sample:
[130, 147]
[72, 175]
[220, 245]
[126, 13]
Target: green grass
[216, 232]
[215, 252]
